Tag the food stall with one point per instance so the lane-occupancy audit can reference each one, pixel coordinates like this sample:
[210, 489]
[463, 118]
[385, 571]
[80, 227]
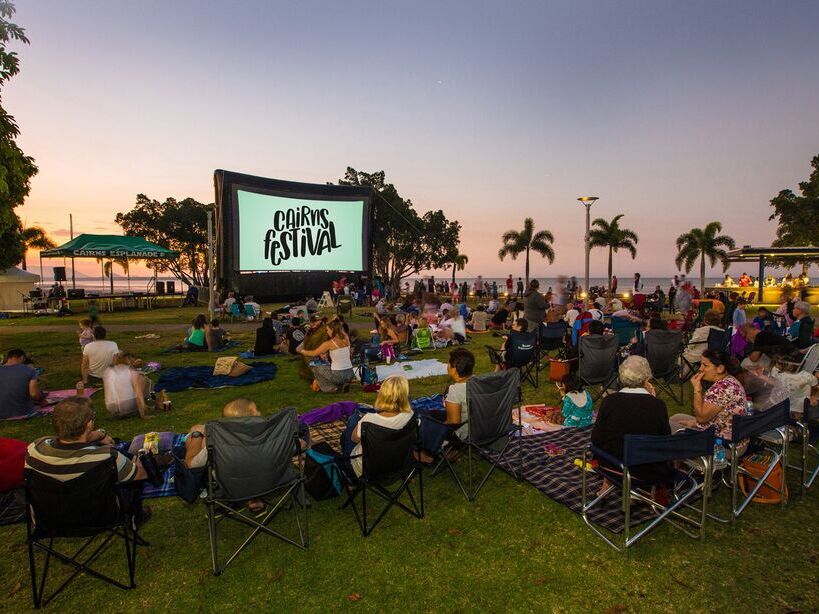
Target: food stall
[772, 290]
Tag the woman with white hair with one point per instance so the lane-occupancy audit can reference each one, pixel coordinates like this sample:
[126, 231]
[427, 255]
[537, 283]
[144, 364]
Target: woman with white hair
[634, 410]
[801, 331]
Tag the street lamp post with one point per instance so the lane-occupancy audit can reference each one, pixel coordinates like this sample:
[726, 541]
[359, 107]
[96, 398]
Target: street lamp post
[587, 201]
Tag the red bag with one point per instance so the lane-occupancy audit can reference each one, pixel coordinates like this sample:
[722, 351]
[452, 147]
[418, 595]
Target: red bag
[12, 460]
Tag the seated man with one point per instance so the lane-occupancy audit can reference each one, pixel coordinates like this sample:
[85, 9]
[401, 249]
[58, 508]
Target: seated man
[229, 301]
[215, 336]
[77, 447]
[801, 331]
[257, 309]
[519, 327]
[97, 355]
[766, 343]
[293, 337]
[461, 366]
[19, 390]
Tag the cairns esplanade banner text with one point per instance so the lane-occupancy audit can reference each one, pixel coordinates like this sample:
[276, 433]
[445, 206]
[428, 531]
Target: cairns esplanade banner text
[277, 233]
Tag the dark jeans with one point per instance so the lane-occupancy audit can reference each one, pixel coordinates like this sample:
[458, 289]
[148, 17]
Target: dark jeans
[433, 433]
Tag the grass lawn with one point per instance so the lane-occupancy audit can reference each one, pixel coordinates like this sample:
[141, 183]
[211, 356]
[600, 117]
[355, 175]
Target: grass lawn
[513, 549]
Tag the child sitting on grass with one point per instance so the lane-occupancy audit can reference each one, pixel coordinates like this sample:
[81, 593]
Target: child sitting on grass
[577, 402]
[86, 332]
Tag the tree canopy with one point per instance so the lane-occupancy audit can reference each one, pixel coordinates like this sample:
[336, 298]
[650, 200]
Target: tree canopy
[403, 241]
[16, 168]
[610, 235]
[178, 225]
[703, 243]
[798, 216]
[516, 242]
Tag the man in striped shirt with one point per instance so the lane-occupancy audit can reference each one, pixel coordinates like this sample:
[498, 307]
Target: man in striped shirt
[78, 447]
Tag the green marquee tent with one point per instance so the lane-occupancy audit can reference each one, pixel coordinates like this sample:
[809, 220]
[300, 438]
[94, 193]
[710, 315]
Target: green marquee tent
[109, 246]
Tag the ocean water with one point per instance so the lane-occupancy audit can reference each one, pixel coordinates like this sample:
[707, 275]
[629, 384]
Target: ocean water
[623, 284]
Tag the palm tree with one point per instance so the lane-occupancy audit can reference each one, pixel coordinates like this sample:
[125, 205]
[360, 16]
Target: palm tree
[35, 237]
[517, 242]
[458, 264]
[108, 269]
[609, 234]
[703, 243]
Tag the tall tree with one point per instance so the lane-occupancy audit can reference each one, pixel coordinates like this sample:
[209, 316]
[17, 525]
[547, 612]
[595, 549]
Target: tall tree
[16, 168]
[178, 225]
[798, 217]
[35, 237]
[610, 235]
[703, 243]
[404, 242]
[458, 263]
[516, 242]
[108, 268]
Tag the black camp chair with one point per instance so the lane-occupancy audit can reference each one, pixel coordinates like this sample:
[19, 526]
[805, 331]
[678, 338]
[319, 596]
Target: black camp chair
[718, 339]
[490, 398]
[387, 459]
[597, 365]
[553, 339]
[521, 353]
[663, 349]
[767, 429]
[84, 507]
[251, 458]
[640, 450]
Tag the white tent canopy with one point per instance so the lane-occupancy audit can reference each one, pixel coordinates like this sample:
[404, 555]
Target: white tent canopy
[15, 284]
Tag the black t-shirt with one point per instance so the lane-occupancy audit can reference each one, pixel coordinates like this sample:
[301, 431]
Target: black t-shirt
[294, 338]
[500, 317]
[769, 342]
[265, 341]
[630, 413]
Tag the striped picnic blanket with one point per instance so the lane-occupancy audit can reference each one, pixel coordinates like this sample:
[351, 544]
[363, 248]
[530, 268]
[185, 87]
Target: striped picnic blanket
[559, 478]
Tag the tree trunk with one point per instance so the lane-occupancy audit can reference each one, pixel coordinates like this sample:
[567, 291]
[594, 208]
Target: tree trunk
[702, 274]
[23, 263]
[527, 267]
[608, 291]
[454, 266]
[111, 276]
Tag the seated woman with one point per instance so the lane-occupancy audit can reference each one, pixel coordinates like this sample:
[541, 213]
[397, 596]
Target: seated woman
[392, 410]
[452, 327]
[634, 410]
[387, 336]
[401, 328]
[125, 388]
[764, 320]
[721, 402]
[339, 373]
[577, 402]
[266, 342]
[195, 340]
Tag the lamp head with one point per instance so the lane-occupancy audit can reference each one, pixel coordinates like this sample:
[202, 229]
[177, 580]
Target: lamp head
[588, 200]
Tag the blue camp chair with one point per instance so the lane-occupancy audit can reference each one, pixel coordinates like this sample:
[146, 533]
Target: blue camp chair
[250, 313]
[625, 330]
[808, 436]
[643, 449]
[234, 312]
[766, 431]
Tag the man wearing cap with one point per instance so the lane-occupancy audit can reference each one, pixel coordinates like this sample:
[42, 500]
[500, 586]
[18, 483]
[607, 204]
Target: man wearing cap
[19, 389]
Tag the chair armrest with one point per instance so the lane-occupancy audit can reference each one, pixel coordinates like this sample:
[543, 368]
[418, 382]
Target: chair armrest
[603, 455]
[454, 426]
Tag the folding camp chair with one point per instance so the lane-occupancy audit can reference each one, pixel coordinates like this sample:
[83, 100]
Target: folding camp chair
[234, 312]
[250, 313]
[84, 507]
[718, 339]
[251, 459]
[624, 329]
[767, 429]
[597, 365]
[663, 352]
[642, 449]
[808, 364]
[344, 306]
[553, 338]
[490, 398]
[387, 459]
[521, 353]
[807, 427]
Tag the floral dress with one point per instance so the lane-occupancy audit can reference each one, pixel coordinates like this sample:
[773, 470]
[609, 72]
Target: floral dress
[729, 395]
[577, 409]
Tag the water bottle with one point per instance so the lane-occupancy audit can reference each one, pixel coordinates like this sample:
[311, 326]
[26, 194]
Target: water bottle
[749, 406]
[719, 451]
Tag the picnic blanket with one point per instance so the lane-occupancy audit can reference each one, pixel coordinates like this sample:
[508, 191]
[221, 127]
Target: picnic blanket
[557, 477]
[173, 442]
[251, 355]
[412, 369]
[177, 379]
[54, 397]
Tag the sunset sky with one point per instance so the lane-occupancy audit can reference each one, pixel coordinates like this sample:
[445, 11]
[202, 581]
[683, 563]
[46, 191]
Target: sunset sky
[673, 113]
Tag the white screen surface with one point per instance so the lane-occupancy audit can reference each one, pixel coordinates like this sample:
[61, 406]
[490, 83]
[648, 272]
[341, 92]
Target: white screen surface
[278, 233]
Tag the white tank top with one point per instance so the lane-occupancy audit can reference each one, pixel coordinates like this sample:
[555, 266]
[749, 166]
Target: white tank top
[340, 359]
